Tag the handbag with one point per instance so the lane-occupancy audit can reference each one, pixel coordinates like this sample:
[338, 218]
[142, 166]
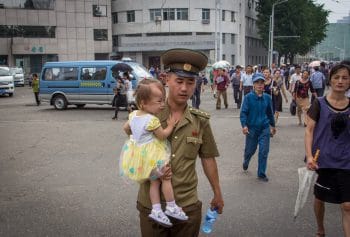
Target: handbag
[293, 107]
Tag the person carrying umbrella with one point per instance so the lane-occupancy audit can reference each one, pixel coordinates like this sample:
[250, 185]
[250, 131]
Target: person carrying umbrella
[328, 129]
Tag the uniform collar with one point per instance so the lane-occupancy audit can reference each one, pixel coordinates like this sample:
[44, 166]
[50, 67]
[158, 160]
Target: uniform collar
[187, 116]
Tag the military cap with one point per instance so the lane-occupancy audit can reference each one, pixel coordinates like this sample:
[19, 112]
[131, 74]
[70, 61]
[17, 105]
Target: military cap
[184, 62]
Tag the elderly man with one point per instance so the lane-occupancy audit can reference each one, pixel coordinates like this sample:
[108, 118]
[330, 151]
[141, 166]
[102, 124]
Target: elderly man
[192, 137]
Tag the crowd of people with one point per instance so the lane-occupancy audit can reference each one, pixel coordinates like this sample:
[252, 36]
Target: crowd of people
[183, 133]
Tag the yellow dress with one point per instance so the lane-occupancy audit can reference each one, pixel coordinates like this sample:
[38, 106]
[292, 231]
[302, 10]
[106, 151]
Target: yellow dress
[143, 155]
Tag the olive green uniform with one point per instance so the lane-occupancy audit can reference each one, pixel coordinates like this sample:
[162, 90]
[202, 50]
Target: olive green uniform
[191, 137]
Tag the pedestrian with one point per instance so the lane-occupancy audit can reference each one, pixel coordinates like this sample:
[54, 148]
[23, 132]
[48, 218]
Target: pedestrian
[301, 96]
[146, 153]
[236, 81]
[246, 80]
[191, 137]
[258, 125]
[268, 85]
[294, 78]
[278, 90]
[35, 86]
[318, 81]
[120, 98]
[328, 130]
[196, 97]
[129, 91]
[221, 83]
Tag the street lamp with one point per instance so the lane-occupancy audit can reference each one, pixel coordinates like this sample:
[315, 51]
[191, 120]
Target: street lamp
[270, 56]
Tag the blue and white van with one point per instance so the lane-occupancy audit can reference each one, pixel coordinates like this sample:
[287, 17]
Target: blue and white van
[83, 82]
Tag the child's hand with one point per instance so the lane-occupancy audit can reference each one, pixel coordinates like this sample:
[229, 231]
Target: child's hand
[171, 121]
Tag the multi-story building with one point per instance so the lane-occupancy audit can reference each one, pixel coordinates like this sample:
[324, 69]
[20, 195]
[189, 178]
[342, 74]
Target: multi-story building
[223, 29]
[35, 31]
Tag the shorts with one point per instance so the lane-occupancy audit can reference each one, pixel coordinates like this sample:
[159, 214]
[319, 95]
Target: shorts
[333, 185]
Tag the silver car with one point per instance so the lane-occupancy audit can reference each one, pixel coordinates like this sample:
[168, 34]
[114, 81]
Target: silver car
[18, 76]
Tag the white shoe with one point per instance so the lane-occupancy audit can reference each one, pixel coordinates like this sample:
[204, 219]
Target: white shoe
[161, 218]
[176, 212]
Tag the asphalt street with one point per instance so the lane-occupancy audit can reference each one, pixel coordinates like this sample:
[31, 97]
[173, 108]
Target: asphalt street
[59, 175]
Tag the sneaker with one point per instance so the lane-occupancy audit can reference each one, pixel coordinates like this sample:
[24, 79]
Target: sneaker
[176, 212]
[161, 218]
[263, 178]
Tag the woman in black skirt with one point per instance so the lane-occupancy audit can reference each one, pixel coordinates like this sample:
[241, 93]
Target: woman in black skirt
[120, 99]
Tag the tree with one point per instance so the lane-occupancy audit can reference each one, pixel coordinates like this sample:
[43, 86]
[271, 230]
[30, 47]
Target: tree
[301, 18]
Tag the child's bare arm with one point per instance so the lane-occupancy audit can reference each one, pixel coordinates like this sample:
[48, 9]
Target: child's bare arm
[126, 128]
[161, 133]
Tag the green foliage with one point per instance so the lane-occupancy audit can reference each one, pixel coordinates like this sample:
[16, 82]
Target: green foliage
[302, 18]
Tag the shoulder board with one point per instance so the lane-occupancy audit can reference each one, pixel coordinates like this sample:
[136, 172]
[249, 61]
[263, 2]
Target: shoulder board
[199, 113]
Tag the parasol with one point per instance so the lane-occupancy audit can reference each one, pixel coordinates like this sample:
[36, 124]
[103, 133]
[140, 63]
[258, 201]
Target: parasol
[306, 178]
[221, 65]
[315, 63]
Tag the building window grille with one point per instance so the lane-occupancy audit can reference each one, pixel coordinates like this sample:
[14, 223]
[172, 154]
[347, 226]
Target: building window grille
[130, 16]
[232, 38]
[223, 15]
[100, 34]
[182, 14]
[169, 14]
[155, 14]
[115, 17]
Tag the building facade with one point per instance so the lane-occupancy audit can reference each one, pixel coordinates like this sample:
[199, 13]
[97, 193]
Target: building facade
[222, 29]
[35, 31]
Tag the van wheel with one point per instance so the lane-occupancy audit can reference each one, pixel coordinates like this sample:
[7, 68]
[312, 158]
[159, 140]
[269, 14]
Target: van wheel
[80, 106]
[10, 94]
[59, 102]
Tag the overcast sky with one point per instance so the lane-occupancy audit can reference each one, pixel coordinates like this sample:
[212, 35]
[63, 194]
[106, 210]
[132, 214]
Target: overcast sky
[338, 8]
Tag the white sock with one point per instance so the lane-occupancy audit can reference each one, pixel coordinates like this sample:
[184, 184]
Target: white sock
[171, 204]
[156, 207]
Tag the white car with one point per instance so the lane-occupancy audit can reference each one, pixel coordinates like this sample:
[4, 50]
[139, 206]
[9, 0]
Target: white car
[19, 76]
[7, 85]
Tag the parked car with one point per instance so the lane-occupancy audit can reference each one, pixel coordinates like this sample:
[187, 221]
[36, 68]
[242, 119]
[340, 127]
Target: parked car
[18, 76]
[7, 85]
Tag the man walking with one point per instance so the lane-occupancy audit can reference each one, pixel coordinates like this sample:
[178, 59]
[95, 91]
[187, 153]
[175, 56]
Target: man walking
[236, 81]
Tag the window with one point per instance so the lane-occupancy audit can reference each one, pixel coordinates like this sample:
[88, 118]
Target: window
[29, 4]
[93, 73]
[100, 34]
[61, 74]
[233, 17]
[115, 17]
[8, 31]
[182, 14]
[223, 15]
[223, 38]
[233, 59]
[169, 14]
[130, 16]
[99, 10]
[232, 38]
[224, 57]
[155, 14]
[205, 14]
[115, 40]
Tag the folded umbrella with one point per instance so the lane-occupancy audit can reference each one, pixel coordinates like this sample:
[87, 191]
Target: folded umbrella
[306, 178]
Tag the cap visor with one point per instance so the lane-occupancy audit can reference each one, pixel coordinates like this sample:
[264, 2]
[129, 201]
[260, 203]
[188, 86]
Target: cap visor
[185, 74]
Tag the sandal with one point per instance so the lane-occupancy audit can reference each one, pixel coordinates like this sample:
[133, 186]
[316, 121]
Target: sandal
[176, 212]
[161, 218]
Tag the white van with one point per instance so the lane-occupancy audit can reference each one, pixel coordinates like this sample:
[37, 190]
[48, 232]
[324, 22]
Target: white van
[7, 85]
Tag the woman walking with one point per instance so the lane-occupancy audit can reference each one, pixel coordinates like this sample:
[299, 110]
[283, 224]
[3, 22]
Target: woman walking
[278, 90]
[301, 96]
[328, 129]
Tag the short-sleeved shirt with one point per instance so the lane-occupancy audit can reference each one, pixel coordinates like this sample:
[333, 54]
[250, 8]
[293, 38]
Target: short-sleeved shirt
[247, 79]
[191, 138]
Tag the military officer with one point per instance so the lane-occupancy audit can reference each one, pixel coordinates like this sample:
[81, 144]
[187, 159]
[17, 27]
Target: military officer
[192, 137]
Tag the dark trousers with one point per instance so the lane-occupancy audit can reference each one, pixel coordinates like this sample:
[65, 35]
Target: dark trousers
[36, 94]
[237, 96]
[179, 229]
[247, 89]
[196, 99]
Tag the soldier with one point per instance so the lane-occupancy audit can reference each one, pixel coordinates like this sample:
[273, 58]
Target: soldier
[191, 137]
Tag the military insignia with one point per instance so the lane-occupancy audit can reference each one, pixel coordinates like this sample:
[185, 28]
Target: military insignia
[195, 133]
[187, 67]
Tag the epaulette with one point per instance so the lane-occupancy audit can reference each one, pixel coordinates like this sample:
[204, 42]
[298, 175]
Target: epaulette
[199, 113]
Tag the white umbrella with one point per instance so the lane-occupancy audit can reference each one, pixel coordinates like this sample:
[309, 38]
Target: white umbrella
[306, 178]
[315, 63]
[221, 65]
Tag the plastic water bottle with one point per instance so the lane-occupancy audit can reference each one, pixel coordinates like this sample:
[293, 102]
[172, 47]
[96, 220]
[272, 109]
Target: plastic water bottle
[209, 220]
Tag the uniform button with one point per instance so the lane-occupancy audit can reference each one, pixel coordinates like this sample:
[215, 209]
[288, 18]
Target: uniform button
[173, 155]
[175, 137]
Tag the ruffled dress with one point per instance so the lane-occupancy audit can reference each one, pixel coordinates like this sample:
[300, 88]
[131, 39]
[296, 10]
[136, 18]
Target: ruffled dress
[143, 155]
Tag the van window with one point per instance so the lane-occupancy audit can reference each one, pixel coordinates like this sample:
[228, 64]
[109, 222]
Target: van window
[61, 74]
[93, 73]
